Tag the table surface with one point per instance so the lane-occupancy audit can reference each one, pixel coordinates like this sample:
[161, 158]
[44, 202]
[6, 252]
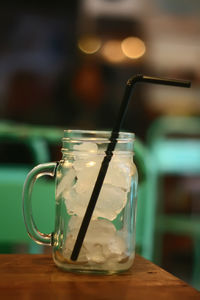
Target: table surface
[35, 276]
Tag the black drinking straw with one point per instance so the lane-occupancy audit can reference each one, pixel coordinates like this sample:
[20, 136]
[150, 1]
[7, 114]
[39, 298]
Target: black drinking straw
[111, 146]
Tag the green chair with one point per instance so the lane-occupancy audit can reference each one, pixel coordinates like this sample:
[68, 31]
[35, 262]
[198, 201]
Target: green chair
[13, 232]
[143, 217]
[12, 177]
[174, 145]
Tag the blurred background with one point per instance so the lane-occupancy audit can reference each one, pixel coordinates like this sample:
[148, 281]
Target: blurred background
[66, 66]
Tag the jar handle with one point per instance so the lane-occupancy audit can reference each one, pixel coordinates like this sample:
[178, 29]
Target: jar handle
[38, 171]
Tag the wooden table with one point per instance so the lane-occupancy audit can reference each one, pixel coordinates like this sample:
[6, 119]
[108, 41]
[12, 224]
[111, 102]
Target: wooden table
[36, 277]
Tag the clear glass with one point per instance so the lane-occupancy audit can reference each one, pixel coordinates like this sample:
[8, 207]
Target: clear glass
[109, 244]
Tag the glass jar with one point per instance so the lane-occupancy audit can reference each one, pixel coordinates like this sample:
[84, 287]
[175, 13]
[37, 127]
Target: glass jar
[109, 243]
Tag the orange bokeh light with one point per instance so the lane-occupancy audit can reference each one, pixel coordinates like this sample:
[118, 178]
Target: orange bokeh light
[112, 51]
[133, 47]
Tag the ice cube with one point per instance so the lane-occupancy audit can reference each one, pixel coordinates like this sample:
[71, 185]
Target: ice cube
[68, 247]
[102, 242]
[98, 233]
[74, 223]
[88, 163]
[87, 171]
[87, 147]
[110, 202]
[118, 174]
[100, 224]
[120, 171]
[116, 185]
[66, 182]
[94, 253]
[74, 202]
[100, 230]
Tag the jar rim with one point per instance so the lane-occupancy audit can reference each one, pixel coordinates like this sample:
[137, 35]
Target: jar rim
[101, 135]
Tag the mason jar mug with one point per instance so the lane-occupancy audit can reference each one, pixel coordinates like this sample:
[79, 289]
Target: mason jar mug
[109, 244]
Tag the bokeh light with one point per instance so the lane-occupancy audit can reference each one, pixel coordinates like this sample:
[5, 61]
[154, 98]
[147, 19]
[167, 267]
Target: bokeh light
[112, 51]
[133, 47]
[89, 44]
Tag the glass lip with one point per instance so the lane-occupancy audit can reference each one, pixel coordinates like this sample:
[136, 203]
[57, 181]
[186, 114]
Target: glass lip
[96, 135]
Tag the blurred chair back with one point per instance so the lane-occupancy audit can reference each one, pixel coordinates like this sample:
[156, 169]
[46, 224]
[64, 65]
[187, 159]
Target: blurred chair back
[174, 145]
[145, 209]
[13, 233]
[12, 177]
